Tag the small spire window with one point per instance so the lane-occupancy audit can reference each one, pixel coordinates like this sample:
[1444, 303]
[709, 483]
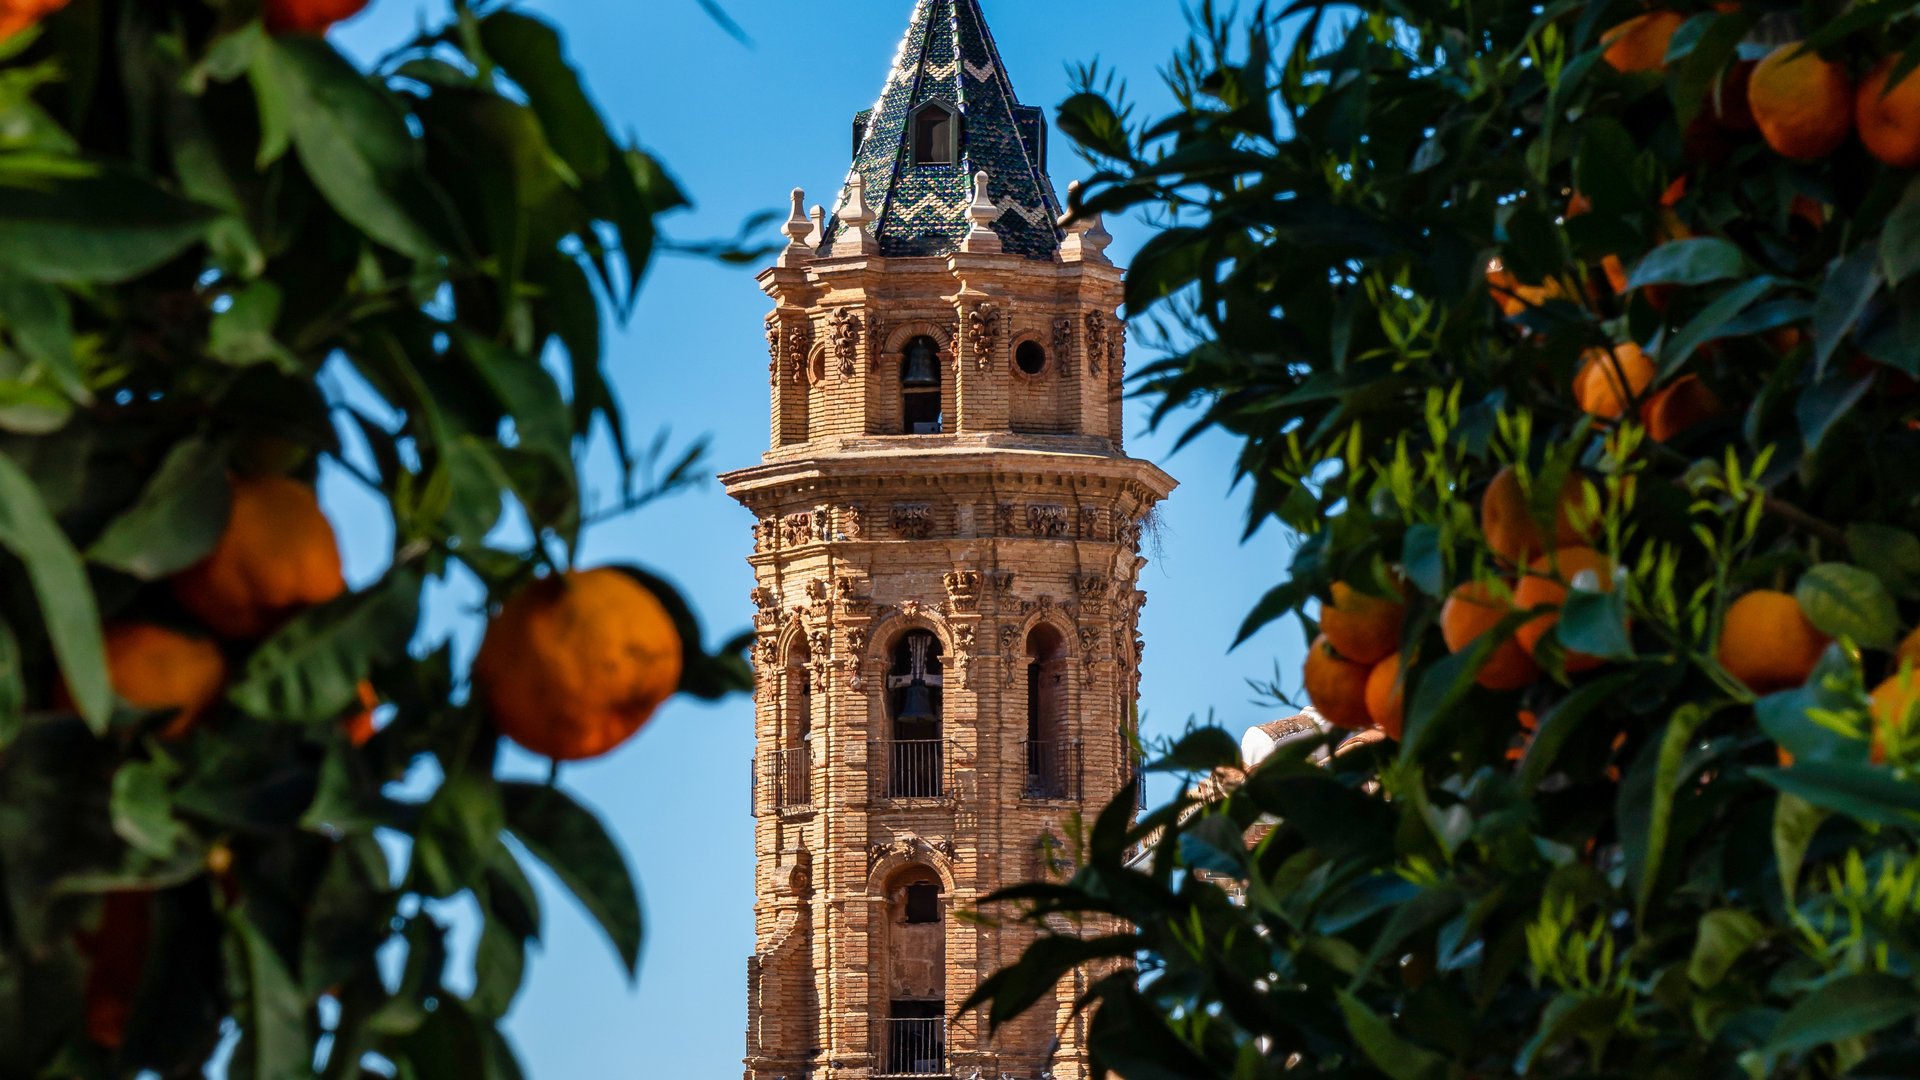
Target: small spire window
[933, 135]
[920, 387]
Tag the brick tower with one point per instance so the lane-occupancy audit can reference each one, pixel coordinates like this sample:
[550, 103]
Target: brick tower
[946, 559]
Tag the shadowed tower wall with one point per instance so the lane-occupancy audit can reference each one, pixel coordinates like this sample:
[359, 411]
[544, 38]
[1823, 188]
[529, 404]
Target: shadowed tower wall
[946, 566]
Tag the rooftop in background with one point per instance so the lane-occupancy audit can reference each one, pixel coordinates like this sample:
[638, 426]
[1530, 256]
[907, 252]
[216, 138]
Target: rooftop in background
[947, 112]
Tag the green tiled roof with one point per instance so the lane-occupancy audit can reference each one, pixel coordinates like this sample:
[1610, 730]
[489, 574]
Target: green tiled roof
[949, 57]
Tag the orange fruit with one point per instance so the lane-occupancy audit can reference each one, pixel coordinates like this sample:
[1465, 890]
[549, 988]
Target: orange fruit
[308, 16]
[359, 726]
[574, 664]
[1687, 402]
[152, 667]
[276, 557]
[1515, 297]
[116, 952]
[17, 15]
[1889, 123]
[1337, 687]
[1360, 626]
[1767, 642]
[1894, 702]
[1386, 698]
[1473, 610]
[1610, 380]
[1803, 105]
[1640, 43]
[1511, 531]
[1548, 585]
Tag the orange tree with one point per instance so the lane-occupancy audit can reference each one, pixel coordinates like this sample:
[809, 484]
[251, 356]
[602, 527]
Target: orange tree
[203, 207]
[1577, 345]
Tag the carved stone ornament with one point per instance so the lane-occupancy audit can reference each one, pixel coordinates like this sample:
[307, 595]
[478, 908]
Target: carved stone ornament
[822, 523]
[852, 522]
[769, 653]
[910, 608]
[876, 339]
[963, 639]
[1094, 590]
[1093, 523]
[1096, 341]
[1063, 341]
[796, 529]
[847, 597]
[766, 608]
[1009, 640]
[1117, 342]
[1009, 519]
[800, 880]
[821, 671]
[845, 327]
[1002, 583]
[799, 339]
[1089, 643]
[963, 589]
[983, 333]
[910, 847]
[1046, 520]
[766, 535]
[821, 643]
[857, 641]
[817, 592]
[913, 521]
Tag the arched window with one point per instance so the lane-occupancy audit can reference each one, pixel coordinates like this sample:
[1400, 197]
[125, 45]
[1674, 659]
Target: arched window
[914, 688]
[1052, 768]
[933, 142]
[916, 948]
[920, 387]
[792, 765]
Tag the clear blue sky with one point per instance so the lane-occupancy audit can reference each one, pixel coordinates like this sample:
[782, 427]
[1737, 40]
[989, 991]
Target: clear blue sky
[740, 126]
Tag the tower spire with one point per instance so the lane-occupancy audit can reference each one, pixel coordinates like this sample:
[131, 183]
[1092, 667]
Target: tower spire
[947, 112]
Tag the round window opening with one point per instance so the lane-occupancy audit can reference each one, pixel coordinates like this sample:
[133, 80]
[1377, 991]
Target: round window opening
[1030, 358]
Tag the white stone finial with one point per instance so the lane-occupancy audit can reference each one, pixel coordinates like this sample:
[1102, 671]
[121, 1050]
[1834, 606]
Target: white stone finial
[855, 216]
[798, 227]
[983, 213]
[818, 235]
[1087, 235]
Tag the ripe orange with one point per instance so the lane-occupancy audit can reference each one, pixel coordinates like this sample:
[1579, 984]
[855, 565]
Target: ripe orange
[359, 726]
[1768, 644]
[116, 951]
[574, 664]
[1803, 105]
[1610, 380]
[1337, 687]
[1688, 401]
[1548, 585]
[308, 16]
[152, 667]
[1890, 123]
[1360, 626]
[1473, 610]
[17, 15]
[276, 557]
[1386, 698]
[1894, 705]
[1511, 531]
[1640, 43]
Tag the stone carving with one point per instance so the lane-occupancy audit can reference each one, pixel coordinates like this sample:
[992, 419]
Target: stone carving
[1093, 589]
[1096, 341]
[822, 523]
[876, 339]
[910, 847]
[857, 641]
[795, 529]
[983, 333]
[910, 608]
[1093, 523]
[1002, 584]
[963, 639]
[1117, 341]
[821, 671]
[1063, 342]
[769, 653]
[817, 592]
[1046, 520]
[1131, 534]
[846, 597]
[852, 522]
[766, 535]
[1089, 643]
[766, 608]
[963, 589]
[821, 643]
[845, 327]
[800, 881]
[913, 520]
[799, 339]
[773, 344]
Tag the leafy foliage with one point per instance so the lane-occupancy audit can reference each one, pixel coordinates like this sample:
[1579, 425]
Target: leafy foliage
[229, 252]
[1392, 235]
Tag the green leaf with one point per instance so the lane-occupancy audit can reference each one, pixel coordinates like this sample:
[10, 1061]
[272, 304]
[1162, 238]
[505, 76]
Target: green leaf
[1851, 282]
[143, 808]
[574, 845]
[1866, 794]
[529, 50]
[1724, 935]
[1563, 720]
[243, 333]
[177, 519]
[1391, 1054]
[1890, 554]
[107, 227]
[72, 622]
[1827, 402]
[1089, 120]
[310, 670]
[1420, 555]
[1795, 821]
[499, 964]
[1833, 691]
[274, 1044]
[1716, 320]
[1847, 602]
[1595, 623]
[1646, 850]
[1694, 261]
[458, 832]
[13, 686]
[1846, 1008]
[41, 321]
[353, 142]
[1900, 239]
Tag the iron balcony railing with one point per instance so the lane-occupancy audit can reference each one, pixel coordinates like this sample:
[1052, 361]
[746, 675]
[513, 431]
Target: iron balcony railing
[1053, 769]
[790, 777]
[913, 1048]
[912, 769]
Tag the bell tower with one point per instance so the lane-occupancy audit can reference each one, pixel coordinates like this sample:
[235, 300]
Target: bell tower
[946, 559]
